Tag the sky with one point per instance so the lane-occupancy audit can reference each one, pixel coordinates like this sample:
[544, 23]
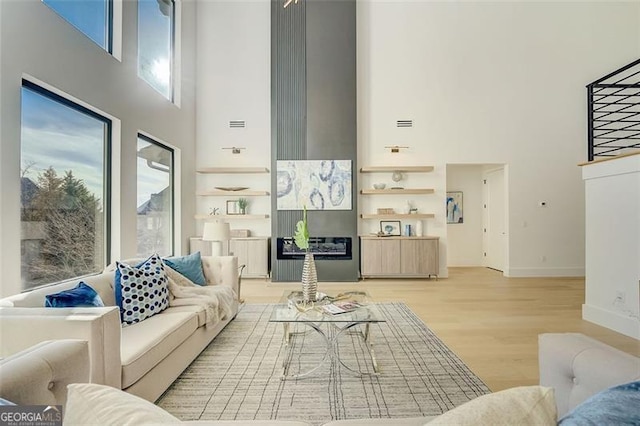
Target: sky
[54, 135]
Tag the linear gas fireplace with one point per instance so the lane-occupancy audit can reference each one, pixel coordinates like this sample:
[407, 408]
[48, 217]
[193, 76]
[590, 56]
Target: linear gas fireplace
[323, 248]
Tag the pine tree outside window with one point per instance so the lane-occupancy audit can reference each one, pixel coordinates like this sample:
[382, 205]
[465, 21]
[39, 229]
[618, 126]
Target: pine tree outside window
[64, 188]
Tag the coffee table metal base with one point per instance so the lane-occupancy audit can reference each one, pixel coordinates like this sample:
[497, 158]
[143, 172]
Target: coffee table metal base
[331, 347]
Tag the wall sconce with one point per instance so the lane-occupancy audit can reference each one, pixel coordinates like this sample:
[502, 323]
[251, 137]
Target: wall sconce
[395, 148]
[288, 2]
[234, 149]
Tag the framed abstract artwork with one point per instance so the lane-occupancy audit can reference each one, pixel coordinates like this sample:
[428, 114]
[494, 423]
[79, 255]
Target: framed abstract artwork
[454, 207]
[316, 184]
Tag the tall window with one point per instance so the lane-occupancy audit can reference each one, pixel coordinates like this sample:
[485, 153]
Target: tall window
[92, 17]
[64, 188]
[155, 44]
[155, 198]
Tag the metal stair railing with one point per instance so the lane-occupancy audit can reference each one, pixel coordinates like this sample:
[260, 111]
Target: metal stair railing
[613, 113]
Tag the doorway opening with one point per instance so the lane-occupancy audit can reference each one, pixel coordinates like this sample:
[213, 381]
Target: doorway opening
[477, 216]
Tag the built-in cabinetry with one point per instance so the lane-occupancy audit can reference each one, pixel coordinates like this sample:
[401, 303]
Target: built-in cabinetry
[232, 194]
[407, 257]
[252, 252]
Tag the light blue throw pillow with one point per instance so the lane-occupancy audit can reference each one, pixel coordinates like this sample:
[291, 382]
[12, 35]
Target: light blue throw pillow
[80, 295]
[190, 266]
[144, 290]
[619, 405]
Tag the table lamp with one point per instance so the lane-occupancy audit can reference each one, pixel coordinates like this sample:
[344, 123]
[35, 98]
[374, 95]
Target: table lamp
[216, 231]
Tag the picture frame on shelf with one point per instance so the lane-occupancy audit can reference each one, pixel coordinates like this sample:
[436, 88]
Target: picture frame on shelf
[390, 227]
[233, 207]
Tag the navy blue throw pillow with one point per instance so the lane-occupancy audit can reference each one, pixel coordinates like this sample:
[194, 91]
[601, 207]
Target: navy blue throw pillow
[619, 405]
[80, 295]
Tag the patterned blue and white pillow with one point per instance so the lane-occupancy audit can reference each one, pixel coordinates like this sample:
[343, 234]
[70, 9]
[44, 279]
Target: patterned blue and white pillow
[144, 289]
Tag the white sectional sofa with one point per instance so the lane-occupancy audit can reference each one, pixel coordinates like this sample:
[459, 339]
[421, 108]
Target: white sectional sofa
[142, 359]
[575, 366]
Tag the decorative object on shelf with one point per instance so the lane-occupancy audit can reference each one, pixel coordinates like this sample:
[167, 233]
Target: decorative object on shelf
[390, 227]
[233, 207]
[216, 231]
[309, 274]
[385, 211]
[396, 177]
[231, 188]
[379, 185]
[454, 207]
[320, 184]
[419, 228]
[240, 233]
[234, 149]
[407, 208]
[243, 203]
[413, 210]
[214, 211]
[407, 230]
[396, 148]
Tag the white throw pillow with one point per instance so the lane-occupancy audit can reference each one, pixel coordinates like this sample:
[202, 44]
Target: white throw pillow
[522, 406]
[91, 404]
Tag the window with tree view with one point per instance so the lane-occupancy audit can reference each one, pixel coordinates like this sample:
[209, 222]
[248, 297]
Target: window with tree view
[155, 44]
[155, 198]
[64, 188]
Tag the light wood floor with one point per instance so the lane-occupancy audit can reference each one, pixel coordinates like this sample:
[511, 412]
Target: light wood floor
[489, 321]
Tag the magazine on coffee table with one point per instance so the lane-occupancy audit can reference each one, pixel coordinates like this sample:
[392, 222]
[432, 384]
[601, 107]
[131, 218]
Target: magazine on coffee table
[341, 307]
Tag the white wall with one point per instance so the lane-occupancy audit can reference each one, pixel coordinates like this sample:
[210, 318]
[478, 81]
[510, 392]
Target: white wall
[485, 82]
[613, 244]
[464, 240]
[499, 82]
[234, 83]
[35, 41]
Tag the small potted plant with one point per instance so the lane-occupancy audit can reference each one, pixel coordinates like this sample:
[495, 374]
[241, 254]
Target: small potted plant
[243, 203]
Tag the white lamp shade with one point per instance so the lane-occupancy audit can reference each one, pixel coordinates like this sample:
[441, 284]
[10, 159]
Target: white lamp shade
[216, 231]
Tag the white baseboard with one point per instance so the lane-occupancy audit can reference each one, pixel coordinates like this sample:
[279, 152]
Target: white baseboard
[629, 326]
[544, 272]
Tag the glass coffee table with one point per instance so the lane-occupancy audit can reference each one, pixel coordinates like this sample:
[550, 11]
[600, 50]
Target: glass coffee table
[361, 313]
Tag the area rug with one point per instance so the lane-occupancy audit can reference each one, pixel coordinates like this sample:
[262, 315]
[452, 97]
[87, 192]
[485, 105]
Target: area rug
[238, 376]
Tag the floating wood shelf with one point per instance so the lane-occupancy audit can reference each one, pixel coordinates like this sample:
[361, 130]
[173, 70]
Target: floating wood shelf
[406, 191]
[218, 193]
[373, 169]
[208, 217]
[398, 216]
[233, 170]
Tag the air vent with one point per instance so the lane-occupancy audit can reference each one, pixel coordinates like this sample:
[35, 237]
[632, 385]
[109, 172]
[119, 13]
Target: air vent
[237, 124]
[404, 123]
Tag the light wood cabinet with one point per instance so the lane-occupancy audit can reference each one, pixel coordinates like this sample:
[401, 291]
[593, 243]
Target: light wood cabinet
[379, 257]
[252, 252]
[408, 257]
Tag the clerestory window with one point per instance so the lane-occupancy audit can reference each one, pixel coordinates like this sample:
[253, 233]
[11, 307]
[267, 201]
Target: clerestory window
[94, 18]
[156, 23]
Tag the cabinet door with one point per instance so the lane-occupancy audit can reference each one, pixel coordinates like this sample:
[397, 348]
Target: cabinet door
[254, 253]
[419, 257]
[380, 257]
[257, 257]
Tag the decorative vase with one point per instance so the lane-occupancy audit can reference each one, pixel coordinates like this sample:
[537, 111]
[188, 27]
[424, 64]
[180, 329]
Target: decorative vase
[419, 228]
[309, 279]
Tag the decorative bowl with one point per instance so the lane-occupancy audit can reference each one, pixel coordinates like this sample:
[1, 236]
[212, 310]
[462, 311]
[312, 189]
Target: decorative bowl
[379, 185]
